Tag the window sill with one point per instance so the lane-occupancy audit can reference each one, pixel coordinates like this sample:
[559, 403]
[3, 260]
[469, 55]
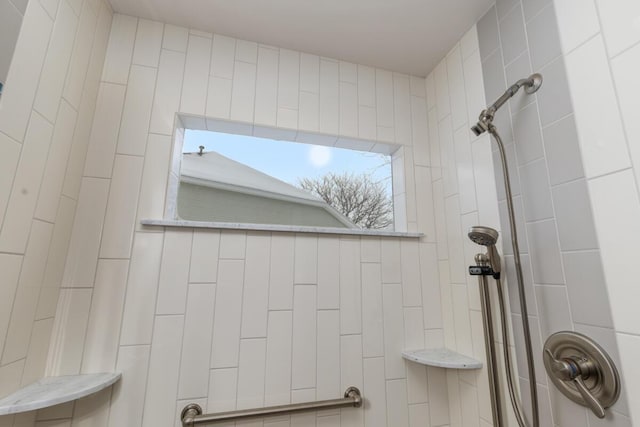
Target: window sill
[276, 228]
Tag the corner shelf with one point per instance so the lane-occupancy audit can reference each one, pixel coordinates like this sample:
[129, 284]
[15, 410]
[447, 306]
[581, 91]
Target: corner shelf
[52, 391]
[442, 358]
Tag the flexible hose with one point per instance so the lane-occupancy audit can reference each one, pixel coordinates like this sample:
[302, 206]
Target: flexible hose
[523, 301]
[506, 345]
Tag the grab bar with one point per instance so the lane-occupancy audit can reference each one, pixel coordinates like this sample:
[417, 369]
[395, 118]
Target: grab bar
[192, 413]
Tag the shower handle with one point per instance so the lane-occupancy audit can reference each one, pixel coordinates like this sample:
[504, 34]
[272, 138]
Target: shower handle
[575, 369]
[582, 371]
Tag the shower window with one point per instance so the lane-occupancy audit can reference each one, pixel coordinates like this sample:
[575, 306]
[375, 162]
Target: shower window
[236, 174]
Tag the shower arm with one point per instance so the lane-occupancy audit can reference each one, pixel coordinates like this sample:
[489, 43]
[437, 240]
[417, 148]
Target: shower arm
[530, 84]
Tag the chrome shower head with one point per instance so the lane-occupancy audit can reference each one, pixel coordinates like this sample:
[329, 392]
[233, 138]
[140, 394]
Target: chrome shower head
[488, 237]
[484, 236]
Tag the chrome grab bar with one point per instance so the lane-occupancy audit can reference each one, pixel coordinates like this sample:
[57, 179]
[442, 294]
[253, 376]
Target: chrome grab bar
[192, 413]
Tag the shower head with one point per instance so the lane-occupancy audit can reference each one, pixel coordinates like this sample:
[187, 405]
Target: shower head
[488, 237]
[484, 236]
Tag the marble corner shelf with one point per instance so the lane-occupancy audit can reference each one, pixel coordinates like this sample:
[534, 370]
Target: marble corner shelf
[442, 358]
[52, 391]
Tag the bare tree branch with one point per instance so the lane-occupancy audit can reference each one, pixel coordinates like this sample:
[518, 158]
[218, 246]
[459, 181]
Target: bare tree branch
[358, 197]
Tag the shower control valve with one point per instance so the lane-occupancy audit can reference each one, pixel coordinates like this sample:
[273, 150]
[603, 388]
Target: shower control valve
[582, 371]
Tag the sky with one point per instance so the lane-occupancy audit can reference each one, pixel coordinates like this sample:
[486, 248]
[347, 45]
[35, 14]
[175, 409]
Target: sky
[289, 161]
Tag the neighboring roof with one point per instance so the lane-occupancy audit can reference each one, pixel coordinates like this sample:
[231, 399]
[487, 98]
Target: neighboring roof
[215, 170]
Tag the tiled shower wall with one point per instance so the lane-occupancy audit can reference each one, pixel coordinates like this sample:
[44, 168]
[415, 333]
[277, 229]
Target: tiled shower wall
[562, 206]
[464, 194]
[46, 112]
[239, 319]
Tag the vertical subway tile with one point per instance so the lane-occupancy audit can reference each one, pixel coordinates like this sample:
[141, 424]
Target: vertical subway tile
[350, 287]
[536, 193]
[384, 98]
[127, 400]
[233, 244]
[29, 55]
[119, 220]
[397, 408]
[573, 214]
[80, 56]
[431, 305]
[223, 388]
[65, 355]
[555, 100]
[104, 132]
[457, 87]
[393, 331]
[196, 342]
[410, 264]
[309, 73]
[223, 56]
[87, 229]
[488, 36]
[142, 287]
[246, 51]
[256, 286]
[620, 24]
[174, 272]
[146, 50]
[288, 79]
[175, 38]
[306, 258]
[26, 185]
[153, 187]
[351, 361]
[166, 99]
[226, 323]
[219, 98]
[281, 273]
[328, 354]
[164, 366]
[375, 415]
[402, 108]
[443, 101]
[527, 135]
[512, 34]
[545, 254]
[56, 63]
[105, 317]
[372, 325]
[278, 362]
[544, 40]
[303, 362]
[366, 86]
[136, 113]
[196, 75]
[120, 49]
[596, 113]
[243, 92]
[329, 97]
[251, 373]
[23, 311]
[328, 274]
[348, 109]
[465, 169]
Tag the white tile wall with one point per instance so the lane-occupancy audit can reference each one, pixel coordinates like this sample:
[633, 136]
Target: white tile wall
[598, 45]
[46, 109]
[239, 319]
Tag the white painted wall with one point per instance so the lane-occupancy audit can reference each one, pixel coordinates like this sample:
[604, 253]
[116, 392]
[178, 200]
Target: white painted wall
[46, 113]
